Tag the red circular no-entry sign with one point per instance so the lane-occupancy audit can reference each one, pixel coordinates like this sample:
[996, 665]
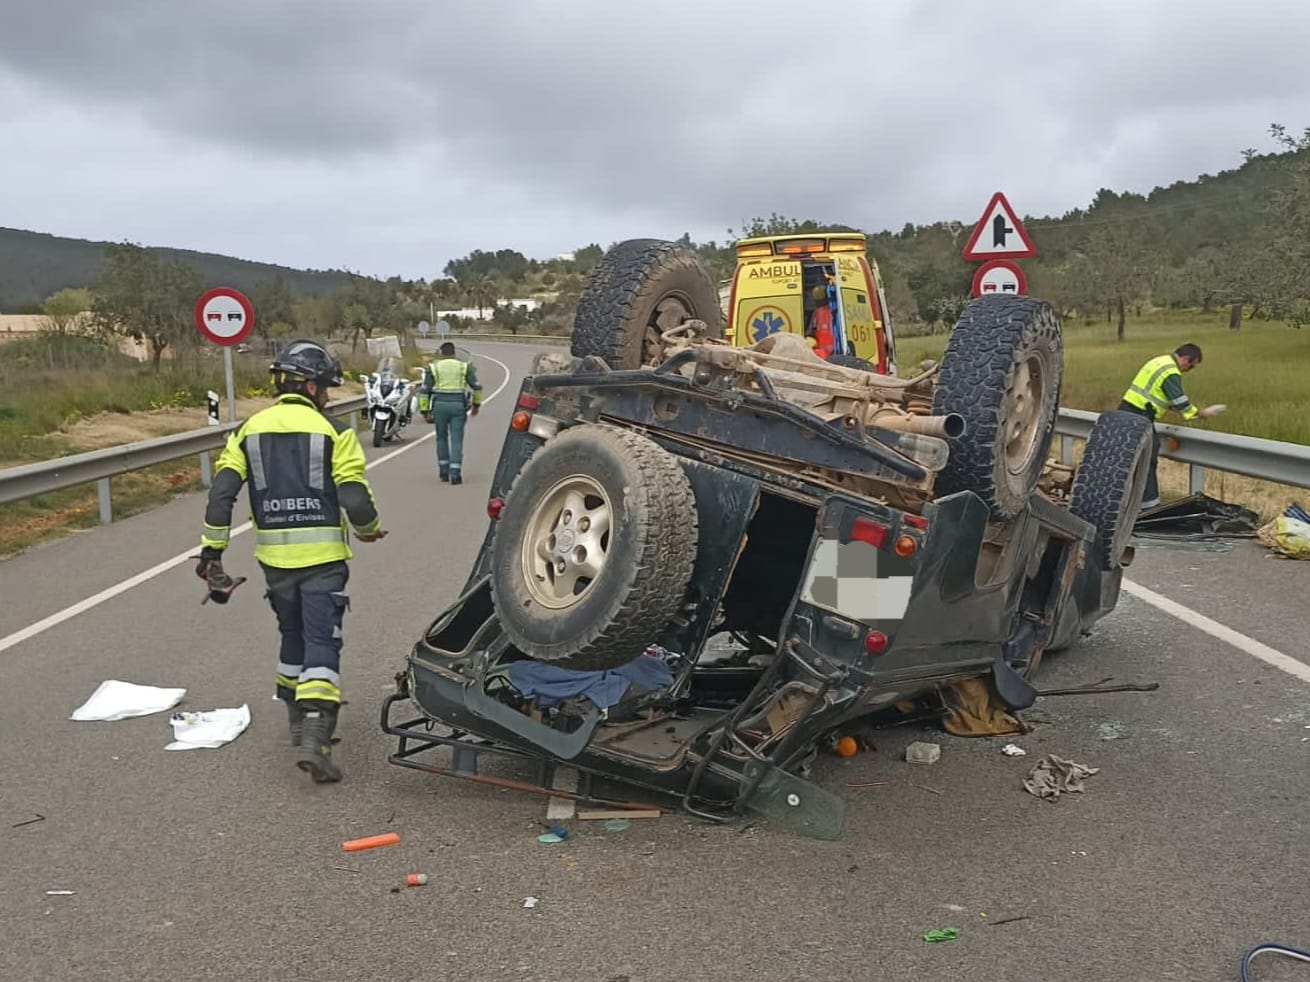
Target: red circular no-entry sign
[225, 316]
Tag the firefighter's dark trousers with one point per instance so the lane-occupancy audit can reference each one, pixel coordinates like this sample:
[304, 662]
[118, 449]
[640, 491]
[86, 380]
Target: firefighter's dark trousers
[310, 604]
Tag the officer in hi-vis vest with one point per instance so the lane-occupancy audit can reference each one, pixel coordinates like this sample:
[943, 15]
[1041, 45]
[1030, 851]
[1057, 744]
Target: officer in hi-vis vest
[443, 399]
[305, 477]
[1158, 388]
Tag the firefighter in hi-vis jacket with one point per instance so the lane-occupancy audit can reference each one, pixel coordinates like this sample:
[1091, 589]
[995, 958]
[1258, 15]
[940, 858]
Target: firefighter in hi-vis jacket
[305, 473]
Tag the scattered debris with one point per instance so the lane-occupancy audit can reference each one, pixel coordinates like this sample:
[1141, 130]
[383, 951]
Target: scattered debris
[208, 730]
[1013, 750]
[923, 753]
[41, 818]
[847, 746]
[1112, 730]
[550, 837]
[617, 825]
[1010, 920]
[924, 787]
[114, 700]
[942, 934]
[1053, 776]
[1197, 517]
[346, 869]
[530, 902]
[870, 784]
[416, 880]
[371, 842]
[60, 893]
[1098, 687]
[600, 814]
[1288, 535]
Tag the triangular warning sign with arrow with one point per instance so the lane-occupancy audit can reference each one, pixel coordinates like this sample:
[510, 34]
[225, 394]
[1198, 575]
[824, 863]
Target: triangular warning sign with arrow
[999, 234]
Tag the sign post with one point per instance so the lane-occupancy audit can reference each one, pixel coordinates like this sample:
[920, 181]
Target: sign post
[225, 317]
[998, 238]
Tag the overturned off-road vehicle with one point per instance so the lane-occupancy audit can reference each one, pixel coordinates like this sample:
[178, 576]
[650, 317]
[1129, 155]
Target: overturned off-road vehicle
[704, 561]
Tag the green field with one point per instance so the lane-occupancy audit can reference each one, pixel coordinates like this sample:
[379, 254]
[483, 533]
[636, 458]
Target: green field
[1261, 372]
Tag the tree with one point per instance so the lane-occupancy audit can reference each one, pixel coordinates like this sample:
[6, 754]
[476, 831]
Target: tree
[586, 258]
[145, 299]
[66, 311]
[480, 292]
[1121, 267]
[274, 306]
[510, 316]
[1287, 243]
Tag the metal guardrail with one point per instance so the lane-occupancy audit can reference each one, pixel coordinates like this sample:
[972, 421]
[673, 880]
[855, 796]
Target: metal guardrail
[30, 480]
[430, 344]
[1265, 460]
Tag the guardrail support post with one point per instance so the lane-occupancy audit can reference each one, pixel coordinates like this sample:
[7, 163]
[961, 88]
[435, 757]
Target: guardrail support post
[354, 421]
[1066, 449]
[206, 471]
[106, 505]
[1195, 479]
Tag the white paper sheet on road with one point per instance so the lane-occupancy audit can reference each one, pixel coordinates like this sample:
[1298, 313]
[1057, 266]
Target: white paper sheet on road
[208, 730]
[121, 700]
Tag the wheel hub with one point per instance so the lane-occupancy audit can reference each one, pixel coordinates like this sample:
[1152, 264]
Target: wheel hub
[1024, 415]
[567, 542]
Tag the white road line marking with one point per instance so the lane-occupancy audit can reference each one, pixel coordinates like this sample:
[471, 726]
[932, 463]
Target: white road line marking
[562, 809]
[1252, 647]
[21, 635]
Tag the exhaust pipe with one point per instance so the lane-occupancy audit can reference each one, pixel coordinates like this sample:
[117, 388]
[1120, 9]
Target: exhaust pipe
[950, 426]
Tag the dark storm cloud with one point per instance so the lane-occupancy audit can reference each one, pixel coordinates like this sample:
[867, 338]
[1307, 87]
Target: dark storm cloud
[486, 124]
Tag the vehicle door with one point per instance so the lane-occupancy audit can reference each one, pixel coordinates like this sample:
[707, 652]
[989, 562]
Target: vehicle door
[766, 299]
[862, 312]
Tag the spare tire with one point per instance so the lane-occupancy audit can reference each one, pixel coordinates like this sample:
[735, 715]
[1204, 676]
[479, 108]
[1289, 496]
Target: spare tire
[639, 289]
[1002, 372]
[594, 548]
[1107, 488]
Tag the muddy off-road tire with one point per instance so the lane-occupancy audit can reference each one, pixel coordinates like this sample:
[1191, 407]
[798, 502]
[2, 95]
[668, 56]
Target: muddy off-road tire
[639, 289]
[1107, 488]
[853, 361]
[1002, 372]
[594, 548]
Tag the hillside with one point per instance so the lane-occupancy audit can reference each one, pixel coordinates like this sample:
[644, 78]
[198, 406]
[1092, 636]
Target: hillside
[33, 265]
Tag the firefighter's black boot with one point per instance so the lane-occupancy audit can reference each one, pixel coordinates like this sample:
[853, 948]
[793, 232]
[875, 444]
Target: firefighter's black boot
[316, 744]
[295, 718]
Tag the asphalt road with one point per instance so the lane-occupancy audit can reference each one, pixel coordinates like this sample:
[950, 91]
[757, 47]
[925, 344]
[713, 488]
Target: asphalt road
[1189, 845]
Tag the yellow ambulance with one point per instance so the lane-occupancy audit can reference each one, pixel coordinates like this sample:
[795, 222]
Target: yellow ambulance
[820, 285]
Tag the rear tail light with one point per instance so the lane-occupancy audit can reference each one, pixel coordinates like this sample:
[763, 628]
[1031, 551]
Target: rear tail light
[528, 401]
[867, 530]
[875, 642]
[915, 521]
[494, 507]
[520, 421]
[905, 546]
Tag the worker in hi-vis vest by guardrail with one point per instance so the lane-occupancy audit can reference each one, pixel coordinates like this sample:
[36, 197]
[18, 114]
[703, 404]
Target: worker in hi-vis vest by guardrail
[443, 400]
[1156, 389]
[305, 477]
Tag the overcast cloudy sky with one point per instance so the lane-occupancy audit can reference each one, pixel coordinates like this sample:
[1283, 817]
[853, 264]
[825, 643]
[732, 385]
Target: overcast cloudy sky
[392, 136]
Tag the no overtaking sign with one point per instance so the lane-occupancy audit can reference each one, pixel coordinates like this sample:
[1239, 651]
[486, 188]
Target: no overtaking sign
[224, 316]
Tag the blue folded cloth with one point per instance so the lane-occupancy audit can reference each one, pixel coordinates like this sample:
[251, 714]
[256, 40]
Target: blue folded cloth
[551, 684]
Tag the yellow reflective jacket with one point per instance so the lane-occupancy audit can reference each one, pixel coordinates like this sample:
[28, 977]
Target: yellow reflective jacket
[1158, 387]
[446, 377]
[305, 473]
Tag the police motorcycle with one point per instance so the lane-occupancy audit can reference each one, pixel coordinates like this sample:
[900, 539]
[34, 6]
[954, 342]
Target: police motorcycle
[391, 400]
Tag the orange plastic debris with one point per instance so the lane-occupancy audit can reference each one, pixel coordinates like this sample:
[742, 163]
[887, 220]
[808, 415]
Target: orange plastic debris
[371, 842]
